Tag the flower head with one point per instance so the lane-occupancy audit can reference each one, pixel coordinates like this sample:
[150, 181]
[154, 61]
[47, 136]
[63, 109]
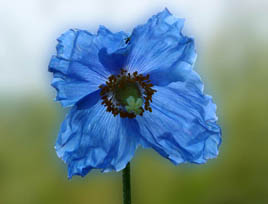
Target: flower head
[130, 90]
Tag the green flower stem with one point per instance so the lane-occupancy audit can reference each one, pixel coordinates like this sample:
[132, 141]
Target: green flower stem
[126, 185]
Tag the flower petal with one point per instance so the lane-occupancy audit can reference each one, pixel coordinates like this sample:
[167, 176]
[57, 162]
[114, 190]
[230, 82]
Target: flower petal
[77, 68]
[115, 61]
[160, 49]
[182, 125]
[93, 138]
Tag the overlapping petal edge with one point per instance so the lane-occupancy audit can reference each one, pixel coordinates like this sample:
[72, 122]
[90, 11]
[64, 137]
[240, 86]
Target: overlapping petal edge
[182, 126]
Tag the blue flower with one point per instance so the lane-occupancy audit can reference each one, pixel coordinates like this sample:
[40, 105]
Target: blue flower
[130, 90]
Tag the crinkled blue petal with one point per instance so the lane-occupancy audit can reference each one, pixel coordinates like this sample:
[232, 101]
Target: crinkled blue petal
[93, 138]
[115, 61]
[182, 125]
[160, 49]
[78, 68]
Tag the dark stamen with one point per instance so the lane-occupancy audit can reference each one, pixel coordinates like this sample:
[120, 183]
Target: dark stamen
[122, 81]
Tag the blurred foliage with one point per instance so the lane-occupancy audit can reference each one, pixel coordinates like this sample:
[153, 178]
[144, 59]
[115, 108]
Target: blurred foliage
[235, 72]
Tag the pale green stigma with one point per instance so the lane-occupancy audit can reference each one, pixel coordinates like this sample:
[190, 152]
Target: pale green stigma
[134, 106]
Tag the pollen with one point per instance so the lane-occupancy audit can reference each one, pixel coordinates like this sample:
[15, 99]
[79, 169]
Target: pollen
[126, 94]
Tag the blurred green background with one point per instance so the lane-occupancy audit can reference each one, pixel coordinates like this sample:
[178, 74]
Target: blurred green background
[233, 64]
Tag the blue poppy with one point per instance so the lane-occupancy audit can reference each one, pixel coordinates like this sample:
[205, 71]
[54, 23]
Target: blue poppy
[130, 90]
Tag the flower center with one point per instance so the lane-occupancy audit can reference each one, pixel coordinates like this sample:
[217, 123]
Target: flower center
[127, 94]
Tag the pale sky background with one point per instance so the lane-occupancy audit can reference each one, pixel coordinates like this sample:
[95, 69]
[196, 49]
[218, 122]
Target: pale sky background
[29, 29]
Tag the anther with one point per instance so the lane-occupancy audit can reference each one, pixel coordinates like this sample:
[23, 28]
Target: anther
[117, 94]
